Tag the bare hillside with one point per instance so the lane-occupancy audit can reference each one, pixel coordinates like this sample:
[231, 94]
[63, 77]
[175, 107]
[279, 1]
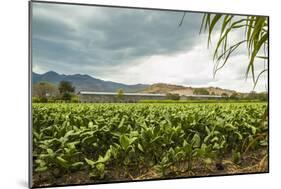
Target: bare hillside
[181, 90]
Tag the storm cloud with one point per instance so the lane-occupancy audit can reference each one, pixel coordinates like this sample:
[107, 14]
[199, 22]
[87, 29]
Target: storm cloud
[127, 45]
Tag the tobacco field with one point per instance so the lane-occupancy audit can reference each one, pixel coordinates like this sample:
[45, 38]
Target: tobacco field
[94, 143]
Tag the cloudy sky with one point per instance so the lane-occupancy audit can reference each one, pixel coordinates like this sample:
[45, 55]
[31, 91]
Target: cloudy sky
[132, 46]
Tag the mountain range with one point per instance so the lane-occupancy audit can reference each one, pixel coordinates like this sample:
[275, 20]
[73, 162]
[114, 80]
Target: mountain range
[89, 83]
[85, 82]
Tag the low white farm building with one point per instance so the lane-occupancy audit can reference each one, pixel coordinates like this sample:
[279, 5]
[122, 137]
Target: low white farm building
[89, 96]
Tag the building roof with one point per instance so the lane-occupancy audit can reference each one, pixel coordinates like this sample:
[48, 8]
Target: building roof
[143, 94]
[203, 96]
[114, 93]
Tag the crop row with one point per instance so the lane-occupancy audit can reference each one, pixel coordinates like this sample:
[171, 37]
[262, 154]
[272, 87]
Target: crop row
[97, 138]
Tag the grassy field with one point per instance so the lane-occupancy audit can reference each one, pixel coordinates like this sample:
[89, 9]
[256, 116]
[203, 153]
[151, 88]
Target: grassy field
[91, 143]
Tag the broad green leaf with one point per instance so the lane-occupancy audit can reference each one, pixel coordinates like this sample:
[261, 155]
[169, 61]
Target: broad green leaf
[41, 169]
[240, 137]
[77, 164]
[89, 162]
[121, 123]
[91, 124]
[50, 151]
[196, 141]
[207, 130]
[63, 162]
[100, 167]
[125, 142]
[140, 147]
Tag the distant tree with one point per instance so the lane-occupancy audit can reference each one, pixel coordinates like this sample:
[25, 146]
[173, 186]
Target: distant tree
[44, 90]
[234, 95]
[120, 94]
[257, 96]
[66, 89]
[224, 95]
[172, 96]
[66, 96]
[252, 95]
[201, 91]
[263, 96]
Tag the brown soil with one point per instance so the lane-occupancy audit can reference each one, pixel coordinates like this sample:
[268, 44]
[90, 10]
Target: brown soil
[252, 162]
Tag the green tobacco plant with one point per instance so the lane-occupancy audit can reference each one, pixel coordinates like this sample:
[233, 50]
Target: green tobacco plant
[97, 168]
[101, 138]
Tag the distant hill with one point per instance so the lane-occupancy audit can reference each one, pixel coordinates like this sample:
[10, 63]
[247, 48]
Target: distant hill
[89, 83]
[181, 90]
[86, 82]
[162, 88]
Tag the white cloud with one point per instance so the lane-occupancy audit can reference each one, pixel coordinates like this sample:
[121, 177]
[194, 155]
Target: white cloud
[191, 68]
[133, 46]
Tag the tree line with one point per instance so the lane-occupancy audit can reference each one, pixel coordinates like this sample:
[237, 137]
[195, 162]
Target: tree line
[263, 96]
[49, 92]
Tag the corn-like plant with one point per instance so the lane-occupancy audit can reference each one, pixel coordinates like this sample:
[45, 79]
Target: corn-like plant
[255, 40]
